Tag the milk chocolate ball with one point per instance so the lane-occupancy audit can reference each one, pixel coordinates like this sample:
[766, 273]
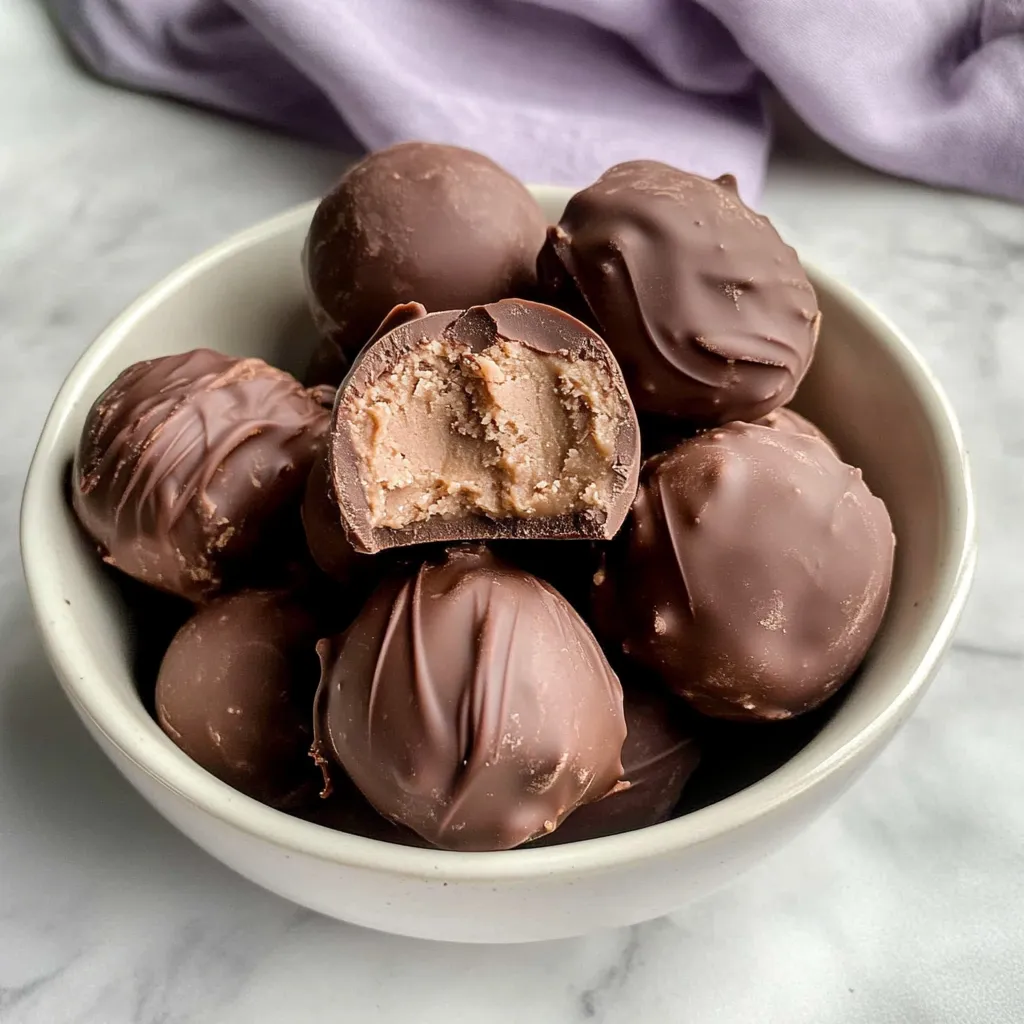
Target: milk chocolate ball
[658, 757]
[471, 704]
[190, 469]
[421, 222]
[752, 574]
[235, 692]
[708, 311]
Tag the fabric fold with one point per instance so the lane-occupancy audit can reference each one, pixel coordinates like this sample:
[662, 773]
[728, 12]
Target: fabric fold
[558, 90]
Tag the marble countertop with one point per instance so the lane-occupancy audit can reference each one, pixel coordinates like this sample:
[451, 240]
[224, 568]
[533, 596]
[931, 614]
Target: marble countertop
[901, 905]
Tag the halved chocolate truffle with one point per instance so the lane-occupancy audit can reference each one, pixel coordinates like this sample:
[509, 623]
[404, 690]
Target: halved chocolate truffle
[510, 420]
[752, 575]
[707, 310]
[191, 467]
[417, 222]
[235, 693]
[470, 703]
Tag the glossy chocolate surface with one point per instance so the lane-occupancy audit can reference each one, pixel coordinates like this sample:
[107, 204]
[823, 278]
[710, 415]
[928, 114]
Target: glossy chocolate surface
[470, 703]
[707, 310]
[752, 575]
[659, 756]
[791, 422]
[190, 468]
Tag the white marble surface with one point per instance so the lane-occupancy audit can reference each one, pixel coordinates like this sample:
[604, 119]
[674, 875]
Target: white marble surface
[905, 904]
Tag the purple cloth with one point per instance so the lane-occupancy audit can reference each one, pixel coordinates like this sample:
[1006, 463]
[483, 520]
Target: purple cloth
[558, 90]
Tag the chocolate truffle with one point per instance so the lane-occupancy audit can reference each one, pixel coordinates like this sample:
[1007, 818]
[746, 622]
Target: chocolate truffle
[235, 692]
[708, 311]
[507, 420]
[658, 757]
[417, 222]
[470, 703]
[190, 468]
[791, 422]
[752, 574]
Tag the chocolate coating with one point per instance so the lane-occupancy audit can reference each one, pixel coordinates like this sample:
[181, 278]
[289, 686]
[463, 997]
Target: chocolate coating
[556, 407]
[190, 468]
[345, 809]
[470, 703]
[328, 544]
[707, 310]
[752, 575]
[235, 690]
[658, 757]
[326, 538]
[791, 422]
[436, 224]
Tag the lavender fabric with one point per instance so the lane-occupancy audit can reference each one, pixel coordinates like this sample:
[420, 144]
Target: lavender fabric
[558, 90]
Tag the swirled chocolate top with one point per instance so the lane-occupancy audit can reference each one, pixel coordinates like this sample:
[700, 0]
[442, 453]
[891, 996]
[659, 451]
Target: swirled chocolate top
[470, 703]
[707, 310]
[188, 465]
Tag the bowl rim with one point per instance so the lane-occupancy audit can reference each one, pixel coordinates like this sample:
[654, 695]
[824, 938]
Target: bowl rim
[83, 681]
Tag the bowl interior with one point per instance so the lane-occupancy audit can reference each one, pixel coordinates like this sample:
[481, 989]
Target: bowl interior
[867, 389]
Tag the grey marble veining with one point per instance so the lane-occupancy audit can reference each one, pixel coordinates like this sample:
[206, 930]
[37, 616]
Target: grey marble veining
[902, 905]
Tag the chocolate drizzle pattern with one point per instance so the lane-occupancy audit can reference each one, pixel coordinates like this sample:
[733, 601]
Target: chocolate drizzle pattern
[469, 702]
[186, 460]
[708, 311]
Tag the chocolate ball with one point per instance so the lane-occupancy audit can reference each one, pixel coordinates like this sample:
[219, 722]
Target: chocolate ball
[658, 757]
[509, 420]
[190, 469]
[417, 222]
[752, 574]
[708, 311]
[235, 692]
[791, 422]
[470, 703]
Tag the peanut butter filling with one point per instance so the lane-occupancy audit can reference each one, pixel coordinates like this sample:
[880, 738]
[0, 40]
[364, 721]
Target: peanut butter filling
[504, 432]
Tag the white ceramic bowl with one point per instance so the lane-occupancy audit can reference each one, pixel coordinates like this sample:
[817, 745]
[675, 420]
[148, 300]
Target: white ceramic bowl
[868, 389]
